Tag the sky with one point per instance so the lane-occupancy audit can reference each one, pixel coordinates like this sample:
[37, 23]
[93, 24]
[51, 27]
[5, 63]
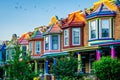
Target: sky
[21, 16]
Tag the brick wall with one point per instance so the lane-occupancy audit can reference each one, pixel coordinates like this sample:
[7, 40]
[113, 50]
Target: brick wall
[117, 26]
[85, 36]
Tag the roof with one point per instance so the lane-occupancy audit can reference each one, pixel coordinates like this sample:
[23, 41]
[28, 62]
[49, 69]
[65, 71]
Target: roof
[113, 42]
[55, 28]
[55, 54]
[24, 38]
[74, 19]
[36, 34]
[54, 20]
[103, 8]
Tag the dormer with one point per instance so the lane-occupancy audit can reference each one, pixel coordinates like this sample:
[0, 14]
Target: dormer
[72, 28]
[23, 41]
[36, 44]
[52, 37]
[101, 21]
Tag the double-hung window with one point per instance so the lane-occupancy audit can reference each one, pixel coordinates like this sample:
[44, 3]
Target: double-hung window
[93, 29]
[46, 43]
[30, 47]
[105, 28]
[75, 36]
[37, 47]
[66, 37]
[55, 45]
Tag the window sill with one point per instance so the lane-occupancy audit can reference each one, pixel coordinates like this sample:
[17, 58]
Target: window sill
[101, 39]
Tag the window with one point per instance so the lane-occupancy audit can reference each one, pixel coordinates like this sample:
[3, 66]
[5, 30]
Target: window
[30, 47]
[37, 47]
[104, 28]
[66, 37]
[24, 48]
[54, 42]
[46, 43]
[93, 29]
[75, 36]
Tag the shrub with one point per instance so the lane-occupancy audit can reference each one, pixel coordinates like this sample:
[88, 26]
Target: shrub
[107, 68]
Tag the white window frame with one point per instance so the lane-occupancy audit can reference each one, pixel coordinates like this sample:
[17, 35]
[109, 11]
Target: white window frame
[45, 42]
[57, 42]
[74, 35]
[36, 47]
[91, 29]
[100, 28]
[66, 36]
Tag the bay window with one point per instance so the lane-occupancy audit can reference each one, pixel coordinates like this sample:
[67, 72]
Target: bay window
[75, 36]
[66, 37]
[55, 42]
[38, 47]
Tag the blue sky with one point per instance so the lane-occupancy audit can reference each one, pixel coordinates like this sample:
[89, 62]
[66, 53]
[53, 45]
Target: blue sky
[21, 16]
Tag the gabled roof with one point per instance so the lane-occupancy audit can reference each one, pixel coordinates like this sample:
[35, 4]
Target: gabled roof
[103, 8]
[55, 28]
[36, 34]
[23, 40]
[74, 19]
[54, 20]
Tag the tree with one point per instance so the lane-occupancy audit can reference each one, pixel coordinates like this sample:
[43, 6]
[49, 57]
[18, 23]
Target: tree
[66, 68]
[107, 68]
[19, 68]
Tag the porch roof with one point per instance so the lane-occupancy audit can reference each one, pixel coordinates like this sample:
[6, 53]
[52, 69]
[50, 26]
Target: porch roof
[81, 49]
[54, 54]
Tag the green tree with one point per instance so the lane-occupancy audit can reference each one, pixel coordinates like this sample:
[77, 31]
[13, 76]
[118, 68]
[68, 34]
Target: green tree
[19, 68]
[107, 68]
[66, 68]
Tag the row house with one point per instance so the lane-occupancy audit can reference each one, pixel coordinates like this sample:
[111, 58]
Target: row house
[36, 49]
[88, 35]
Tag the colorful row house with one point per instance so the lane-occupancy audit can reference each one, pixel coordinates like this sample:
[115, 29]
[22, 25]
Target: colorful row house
[88, 35]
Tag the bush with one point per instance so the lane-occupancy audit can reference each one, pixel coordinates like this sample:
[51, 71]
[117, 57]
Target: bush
[66, 68]
[107, 68]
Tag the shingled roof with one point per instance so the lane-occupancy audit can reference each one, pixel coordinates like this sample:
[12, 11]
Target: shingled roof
[23, 40]
[103, 8]
[74, 19]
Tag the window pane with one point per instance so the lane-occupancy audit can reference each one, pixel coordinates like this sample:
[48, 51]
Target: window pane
[46, 43]
[93, 29]
[66, 36]
[30, 45]
[55, 42]
[37, 47]
[105, 28]
[24, 49]
[76, 35]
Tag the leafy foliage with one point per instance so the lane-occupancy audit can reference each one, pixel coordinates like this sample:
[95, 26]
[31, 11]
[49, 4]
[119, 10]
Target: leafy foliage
[19, 67]
[66, 68]
[107, 68]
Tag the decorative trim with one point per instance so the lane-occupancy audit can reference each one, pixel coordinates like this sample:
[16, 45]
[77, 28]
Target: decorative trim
[101, 39]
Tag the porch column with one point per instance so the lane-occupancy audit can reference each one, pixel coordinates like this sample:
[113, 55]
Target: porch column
[98, 55]
[36, 67]
[79, 62]
[112, 52]
[46, 67]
